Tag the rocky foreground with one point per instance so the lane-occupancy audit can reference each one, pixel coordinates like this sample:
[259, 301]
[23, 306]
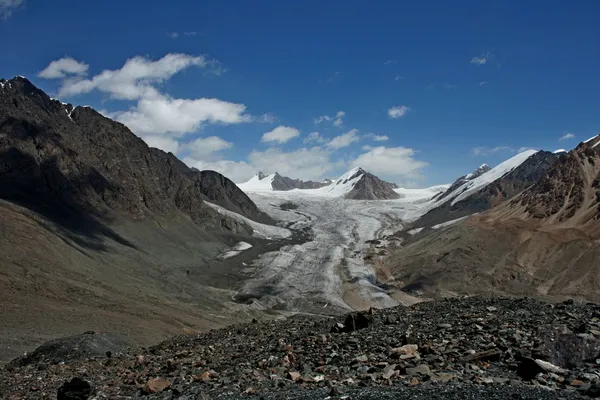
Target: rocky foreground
[470, 348]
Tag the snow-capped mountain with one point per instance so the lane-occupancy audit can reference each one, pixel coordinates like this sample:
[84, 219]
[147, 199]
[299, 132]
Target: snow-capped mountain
[486, 188]
[356, 184]
[275, 182]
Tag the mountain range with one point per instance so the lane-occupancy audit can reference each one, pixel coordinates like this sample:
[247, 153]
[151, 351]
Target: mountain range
[532, 230]
[356, 184]
[101, 230]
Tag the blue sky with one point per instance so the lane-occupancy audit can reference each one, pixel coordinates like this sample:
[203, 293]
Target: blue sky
[238, 86]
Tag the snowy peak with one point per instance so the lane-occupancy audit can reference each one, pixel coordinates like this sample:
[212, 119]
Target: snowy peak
[276, 182]
[357, 184]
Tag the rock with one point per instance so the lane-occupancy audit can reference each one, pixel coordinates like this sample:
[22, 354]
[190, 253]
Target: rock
[489, 355]
[76, 389]
[419, 369]
[361, 359]
[560, 346]
[444, 326]
[157, 385]
[294, 375]
[549, 367]
[406, 349]
[357, 321]
[529, 368]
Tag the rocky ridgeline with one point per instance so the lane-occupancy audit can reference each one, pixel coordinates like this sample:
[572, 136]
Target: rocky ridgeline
[459, 348]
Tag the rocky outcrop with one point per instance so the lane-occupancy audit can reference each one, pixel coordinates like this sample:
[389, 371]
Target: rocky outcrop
[482, 169]
[370, 187]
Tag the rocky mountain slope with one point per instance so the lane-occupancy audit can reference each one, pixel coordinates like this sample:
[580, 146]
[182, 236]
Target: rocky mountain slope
[470, 348]
[543, 241]
[100, 229]
[460, 200]
[370, 187]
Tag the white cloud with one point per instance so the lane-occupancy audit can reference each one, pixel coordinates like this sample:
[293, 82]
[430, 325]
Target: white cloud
[7, 7]
[398, 162]
[377, 138]
[135, 79]
[450, 86]
[344, 140]
[154, 113]
[267, 118]
[388, 62]
[567, 136]
[281, 134]
[398, 77]
[159, 114]
[337, 119]
[315, 137]
[63, 67]
[304, 163]
[192, 33]
[203, 148]
[483, 83]
[166, 144]
[484, 150]
[173, 35]
[398, 111]
[482, 59]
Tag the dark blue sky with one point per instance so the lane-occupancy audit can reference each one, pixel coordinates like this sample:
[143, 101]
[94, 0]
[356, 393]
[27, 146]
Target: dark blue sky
[479, 79]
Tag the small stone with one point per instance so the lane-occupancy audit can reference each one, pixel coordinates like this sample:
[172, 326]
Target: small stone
[157, 385]
[491, 309]
[443, 377]
[414, 382]
[294, 375]
[76, 389]
[406, 349]
[250, 390]
[576, 382]
[361, 359]
[444, 326]
[419, 369]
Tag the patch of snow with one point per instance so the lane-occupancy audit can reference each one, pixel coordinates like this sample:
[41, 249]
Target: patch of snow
[255, 184]
[448, 223]
[264, 230]
[597, 143]
[590, 139]
[557, 151]
[492, 175]
[420, 195]
[415, 231]
[235, 250]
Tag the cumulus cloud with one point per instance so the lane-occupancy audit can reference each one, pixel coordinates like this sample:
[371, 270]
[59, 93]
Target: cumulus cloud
[397, 162]
[376, 138]
[203, 148]
[63, 67]
[337, 120]
[163, 143]
[567, 136]
[137, 77]
[304, 163]
[155, 116]
[397, 112]
[160, 114]
[344, 140]
[281, 134]
[315, 137]
[8, 6]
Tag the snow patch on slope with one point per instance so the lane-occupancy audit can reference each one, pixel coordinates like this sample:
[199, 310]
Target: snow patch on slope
[420, 195]
[255, 184]
[557, 151]
[235, 250]
[264, 230]
[492, 175]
